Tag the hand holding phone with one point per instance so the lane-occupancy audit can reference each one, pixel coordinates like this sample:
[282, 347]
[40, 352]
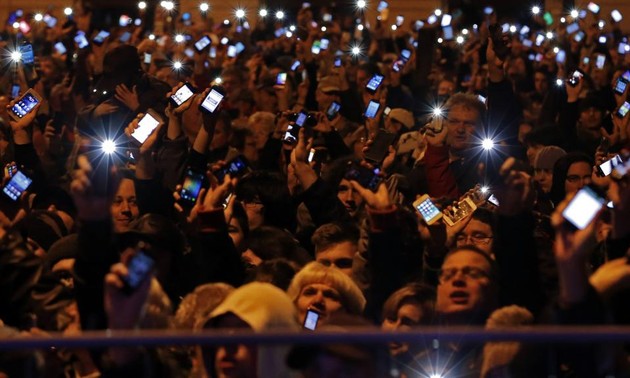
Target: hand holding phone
[183, 94]
[28, 103]
[429, 212]
[139, 267]
[379, 148]
[212, 101]
[194, 181]
[311, 319]
[146, 125]
[583, 208]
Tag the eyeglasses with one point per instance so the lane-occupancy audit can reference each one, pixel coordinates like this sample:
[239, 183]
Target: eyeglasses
[476, 238]
[447, 275]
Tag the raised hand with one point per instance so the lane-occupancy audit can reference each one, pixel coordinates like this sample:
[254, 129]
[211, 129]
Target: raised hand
[128, 97]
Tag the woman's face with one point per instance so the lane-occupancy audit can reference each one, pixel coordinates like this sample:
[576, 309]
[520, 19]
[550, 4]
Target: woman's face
[578, 176]
[321, 298]
[408, 315]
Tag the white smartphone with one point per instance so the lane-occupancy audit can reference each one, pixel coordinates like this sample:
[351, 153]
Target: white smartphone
[430, 213]
[146, 125]
[460, 211]
[311, 319]
[212, 100]
[583, 208]
[25, 104]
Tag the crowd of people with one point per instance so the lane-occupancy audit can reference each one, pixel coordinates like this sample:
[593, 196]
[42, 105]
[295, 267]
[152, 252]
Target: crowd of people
[315, 171]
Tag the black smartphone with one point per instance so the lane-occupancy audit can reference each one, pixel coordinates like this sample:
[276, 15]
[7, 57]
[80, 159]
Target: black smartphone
[100, 37]
[139, 267]
[193, 182]
[18, 184]
[372, 109]
[622, 112]
[500, 41]
[202, 43]
[183, 94]
[368, 178]
[607, 167]
[212, 100]
[311, 319]
[575, 78]
[621, 85]
[149, 122]
[374, 83]
[236, 167]
[292, 133]
[379, 148]
[333, 110]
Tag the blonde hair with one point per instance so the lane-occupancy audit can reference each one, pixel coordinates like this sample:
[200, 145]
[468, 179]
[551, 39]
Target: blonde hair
[352, 298]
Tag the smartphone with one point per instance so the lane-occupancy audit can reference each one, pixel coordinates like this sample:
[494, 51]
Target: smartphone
[15, 91]
[281, 79]
[17, 185]
[60, 48]
[626, 75]
[236, 167]
[239, 47]
[623, 110]
[323, 44]
[213, 52]
[368, 178]
[50, 21]
[606, 167]
[295, 65]
[182, 95]
[139, 266]
[493, 200]
[593, 7]
[100, 37]
[398, 65]
[372, 109]
[374, 83]
[292, 133]
[623, 48]
[583, 207]
[333, 110]
[400, 20]
[379, 148]
[327, 17]
[548, 18]
[540, 38]
[460, 211]
[616, 15]
[125, 37]
[405, 54]
[579, 36]
[338, 61]
[561, 57]
[190, 53]
[146, 125]
[382, 6]
[575, 78]
[202, 43]
[280, 32]
[81, 40]
[430, 213]
[621, 85]
[27, 54]
[488, 11]
[572, 28]
[147, 58]
[316, 48]
[212, 100]
[446, 20]
[25, 104]
[432, 19]
[193, 182]
[124, 20]
[231, 51]
[311, 319]
[387, 110]
[447, 32]
[600, 60]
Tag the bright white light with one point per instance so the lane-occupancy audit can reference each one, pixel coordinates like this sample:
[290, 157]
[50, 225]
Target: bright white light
[67, 11]
[361, 4]
[152, 37]
[288, 34]
[556, 49]
[224, 40]
[142, 5]
[601, 24]
[279, 15]
[240, 13]
[356, 50]
[512, 28]
[440, 40]
[262, 12]
[487, 144]
[437, 12]
[438, 112]
[574, 13]
[549, 35]
[168, 5]
[459, 39]
[218, 80]
[323, 28]
[394, 27]
[360, 27]
[204, 7]
[484, 189]
[177, 65]
[465, 31]
[38, 17]
[292, 28]
[179, 38]
[16, 25]
[16, 56]
[226, 22]
[535, 10]
[563, 20]
[626, 48]
[559, 82]
[108, 147]
[436, 376]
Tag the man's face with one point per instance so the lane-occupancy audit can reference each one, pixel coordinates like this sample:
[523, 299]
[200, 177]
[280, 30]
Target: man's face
[544, 178]
[340, 256]
[465, 285]
[540, 83]
[446, 88]
[478, 234]
[462, 123]
[124, 207]
[578, 176]
[351, 199]
[591, 120]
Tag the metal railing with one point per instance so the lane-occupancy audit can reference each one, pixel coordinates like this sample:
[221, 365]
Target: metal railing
[153, 338]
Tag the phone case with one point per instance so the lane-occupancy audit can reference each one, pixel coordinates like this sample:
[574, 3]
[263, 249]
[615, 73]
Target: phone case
[419, 202]
[463, 208]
